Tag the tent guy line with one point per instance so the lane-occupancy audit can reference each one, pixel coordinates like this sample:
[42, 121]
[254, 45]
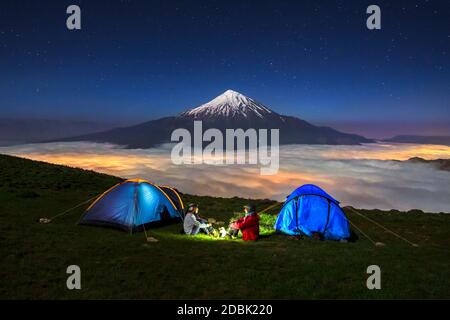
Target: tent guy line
[383, 227]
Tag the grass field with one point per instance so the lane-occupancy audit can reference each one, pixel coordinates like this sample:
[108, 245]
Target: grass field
[115, 264]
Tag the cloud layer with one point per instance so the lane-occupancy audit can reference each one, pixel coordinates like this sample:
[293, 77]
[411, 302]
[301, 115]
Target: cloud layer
[363, 176]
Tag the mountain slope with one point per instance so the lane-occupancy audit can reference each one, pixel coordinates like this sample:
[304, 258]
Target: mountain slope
[443, 140]
[231, 110]
[16, 131]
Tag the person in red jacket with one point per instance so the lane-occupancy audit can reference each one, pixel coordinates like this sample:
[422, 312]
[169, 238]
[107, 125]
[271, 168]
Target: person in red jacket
[249, 224]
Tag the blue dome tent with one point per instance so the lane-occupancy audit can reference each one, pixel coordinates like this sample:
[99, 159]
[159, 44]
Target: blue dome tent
[310, 209]
[134, 204]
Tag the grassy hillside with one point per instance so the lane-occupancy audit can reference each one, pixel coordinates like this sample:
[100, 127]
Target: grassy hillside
[115, 264]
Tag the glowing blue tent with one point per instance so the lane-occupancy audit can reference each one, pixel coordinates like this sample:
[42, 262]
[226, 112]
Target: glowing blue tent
[310, 209]
[134, 204]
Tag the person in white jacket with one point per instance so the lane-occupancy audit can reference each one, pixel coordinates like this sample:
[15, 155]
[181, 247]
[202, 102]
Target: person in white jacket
[193, 224]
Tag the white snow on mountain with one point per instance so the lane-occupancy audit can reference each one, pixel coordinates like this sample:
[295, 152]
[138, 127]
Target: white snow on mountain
[230, 104]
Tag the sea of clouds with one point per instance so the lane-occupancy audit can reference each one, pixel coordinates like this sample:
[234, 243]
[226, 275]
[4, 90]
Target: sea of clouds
[367, 176]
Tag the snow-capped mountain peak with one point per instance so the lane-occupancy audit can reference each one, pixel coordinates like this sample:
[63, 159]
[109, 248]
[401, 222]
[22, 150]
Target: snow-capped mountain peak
[230, 104]
[230, 110]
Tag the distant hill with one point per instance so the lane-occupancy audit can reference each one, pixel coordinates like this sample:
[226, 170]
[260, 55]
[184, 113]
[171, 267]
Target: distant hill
[441, 164]
[443, 140]
[14, 131]
[230, 110]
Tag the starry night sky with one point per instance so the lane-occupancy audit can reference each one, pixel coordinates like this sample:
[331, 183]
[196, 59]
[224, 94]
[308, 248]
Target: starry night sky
[138, 60]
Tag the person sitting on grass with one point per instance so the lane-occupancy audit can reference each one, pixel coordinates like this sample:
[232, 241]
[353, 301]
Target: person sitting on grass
[193, 223]
[249, 225]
